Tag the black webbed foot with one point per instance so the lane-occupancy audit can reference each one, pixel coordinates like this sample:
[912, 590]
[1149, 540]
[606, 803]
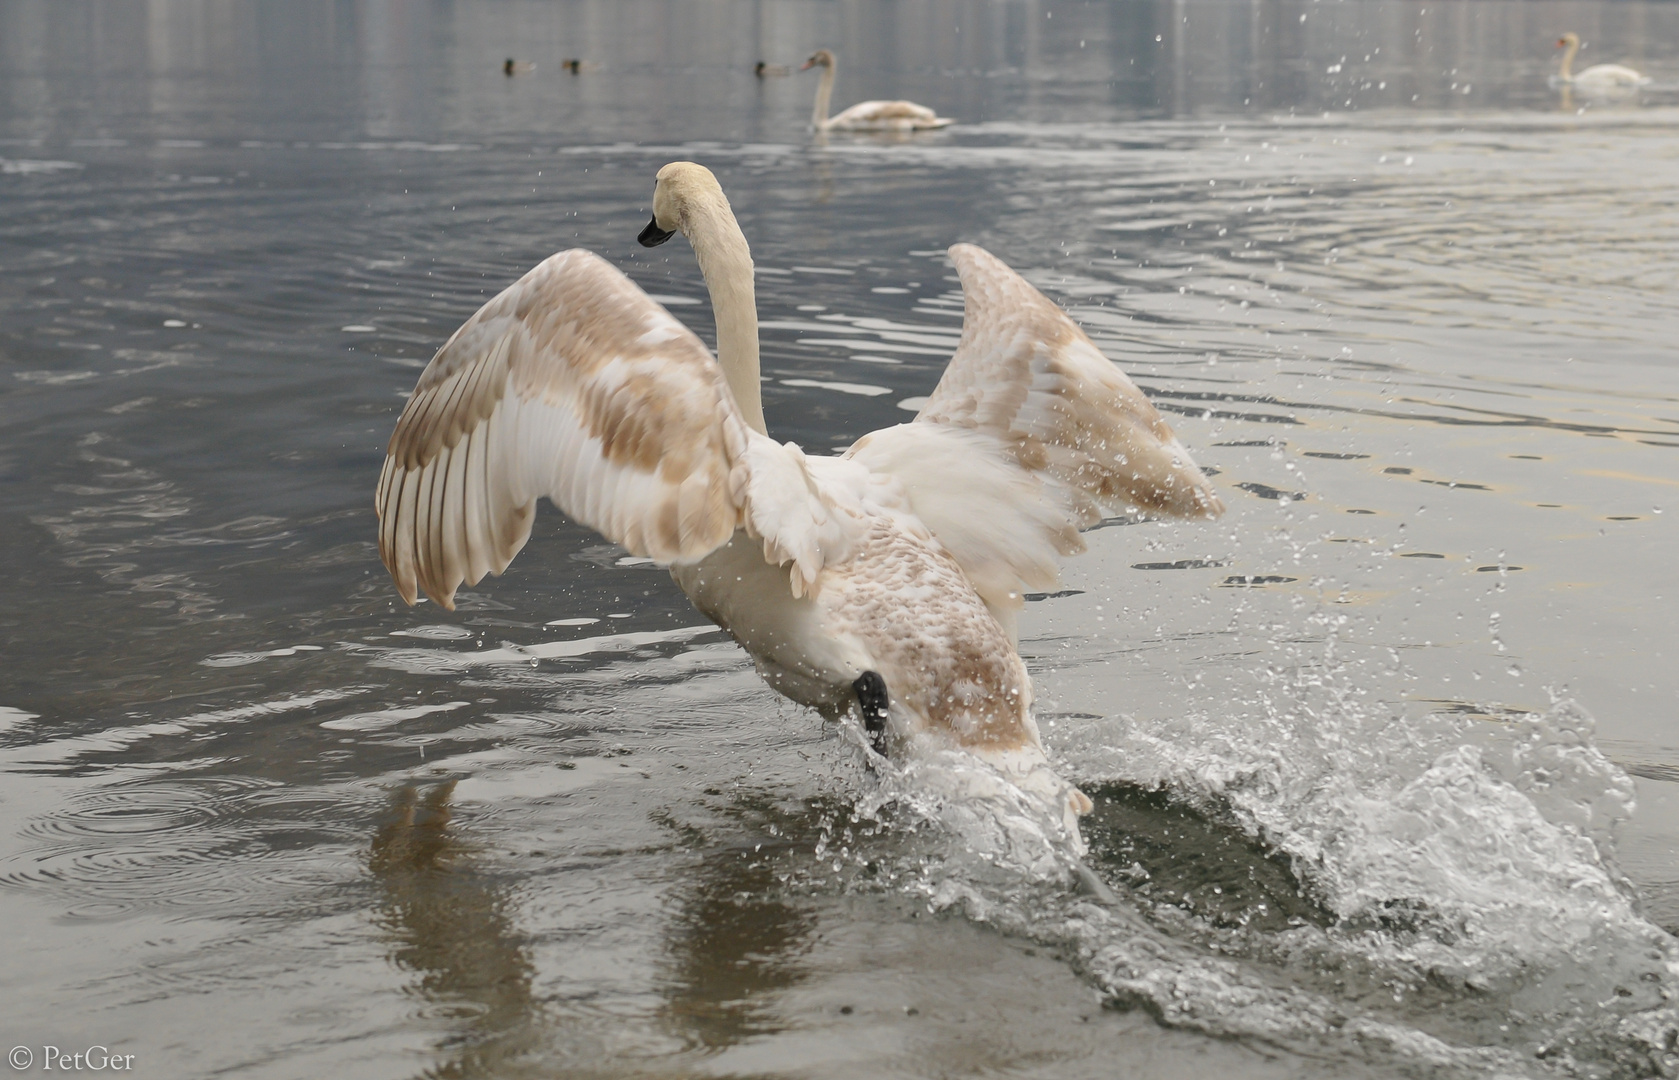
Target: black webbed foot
[872, 699]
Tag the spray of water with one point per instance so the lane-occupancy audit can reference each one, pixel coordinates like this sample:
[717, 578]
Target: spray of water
[1456, 902]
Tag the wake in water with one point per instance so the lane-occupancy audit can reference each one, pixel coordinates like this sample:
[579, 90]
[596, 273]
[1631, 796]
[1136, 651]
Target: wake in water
[1324, 873]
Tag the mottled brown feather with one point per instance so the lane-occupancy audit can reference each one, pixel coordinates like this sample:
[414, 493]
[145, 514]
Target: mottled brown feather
[571, 383]
[1025, 372]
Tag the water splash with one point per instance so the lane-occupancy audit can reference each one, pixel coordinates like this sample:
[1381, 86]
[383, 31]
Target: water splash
[1456, 902]
[1010, 836]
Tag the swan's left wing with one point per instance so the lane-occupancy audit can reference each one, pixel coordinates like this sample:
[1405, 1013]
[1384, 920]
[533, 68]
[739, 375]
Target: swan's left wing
[1029, 434]
[1025, 373]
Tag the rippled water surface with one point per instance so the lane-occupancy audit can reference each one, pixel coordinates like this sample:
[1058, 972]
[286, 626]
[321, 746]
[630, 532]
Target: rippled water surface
[1386, 760]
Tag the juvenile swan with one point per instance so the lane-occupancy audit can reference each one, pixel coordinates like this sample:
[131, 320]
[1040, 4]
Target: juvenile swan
[866, 115]
[1599, 77]
[883, 583]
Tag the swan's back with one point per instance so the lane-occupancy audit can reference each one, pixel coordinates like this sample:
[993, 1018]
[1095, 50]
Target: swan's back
[888, 116]
[1610, 75]
[939, 647]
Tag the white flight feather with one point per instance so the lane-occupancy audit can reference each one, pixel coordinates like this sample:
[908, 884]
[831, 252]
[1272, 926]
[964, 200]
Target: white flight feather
[1007, 528]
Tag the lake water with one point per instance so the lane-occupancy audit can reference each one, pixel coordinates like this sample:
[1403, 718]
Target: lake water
[1386, 760]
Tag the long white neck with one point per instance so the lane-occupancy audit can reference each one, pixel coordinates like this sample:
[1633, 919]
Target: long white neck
[824, 91]
[1568, 60]
[726, 261]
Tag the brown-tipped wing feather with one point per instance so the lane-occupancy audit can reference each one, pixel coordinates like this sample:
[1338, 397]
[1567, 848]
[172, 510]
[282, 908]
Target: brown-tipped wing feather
[573, 384]
[1024, 372]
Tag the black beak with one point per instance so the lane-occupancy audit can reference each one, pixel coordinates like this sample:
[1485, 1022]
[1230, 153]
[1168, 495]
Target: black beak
[653, 236]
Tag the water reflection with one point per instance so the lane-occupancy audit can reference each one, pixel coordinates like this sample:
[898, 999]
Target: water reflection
[736, 935]
[452, 925]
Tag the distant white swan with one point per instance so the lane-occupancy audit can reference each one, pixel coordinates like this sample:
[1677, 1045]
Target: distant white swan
[866, 115]
[883, 583]
[1598, 77]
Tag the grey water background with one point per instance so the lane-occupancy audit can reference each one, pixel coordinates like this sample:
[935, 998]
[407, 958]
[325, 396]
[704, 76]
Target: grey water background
[1414, 305]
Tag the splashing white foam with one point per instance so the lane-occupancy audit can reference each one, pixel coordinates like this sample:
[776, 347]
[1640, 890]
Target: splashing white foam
[1009, 834]
[1475, 918]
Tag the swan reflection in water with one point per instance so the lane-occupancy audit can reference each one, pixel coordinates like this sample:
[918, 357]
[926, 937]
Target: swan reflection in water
[451, 924]
[734, 939]
[731, 941]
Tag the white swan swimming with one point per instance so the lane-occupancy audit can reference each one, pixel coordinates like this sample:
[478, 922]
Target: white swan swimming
[866, 115]
[883, 583]
[1599, 78]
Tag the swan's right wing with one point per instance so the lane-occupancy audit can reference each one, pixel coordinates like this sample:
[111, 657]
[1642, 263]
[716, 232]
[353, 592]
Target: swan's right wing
[573, 383]
[1025, 373]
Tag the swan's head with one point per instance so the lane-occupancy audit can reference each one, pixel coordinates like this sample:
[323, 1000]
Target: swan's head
[1570, 38]
[682, 189]
[819, 58]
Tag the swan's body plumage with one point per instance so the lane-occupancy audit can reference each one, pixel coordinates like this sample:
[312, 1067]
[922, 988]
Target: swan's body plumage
[1599, 78]
[886, 116]
[1610, 75]
[906, 557]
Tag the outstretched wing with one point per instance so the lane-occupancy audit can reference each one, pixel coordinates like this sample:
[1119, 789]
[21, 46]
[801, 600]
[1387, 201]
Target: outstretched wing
[1024, 372]
[1027, 437]
[573, 384]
